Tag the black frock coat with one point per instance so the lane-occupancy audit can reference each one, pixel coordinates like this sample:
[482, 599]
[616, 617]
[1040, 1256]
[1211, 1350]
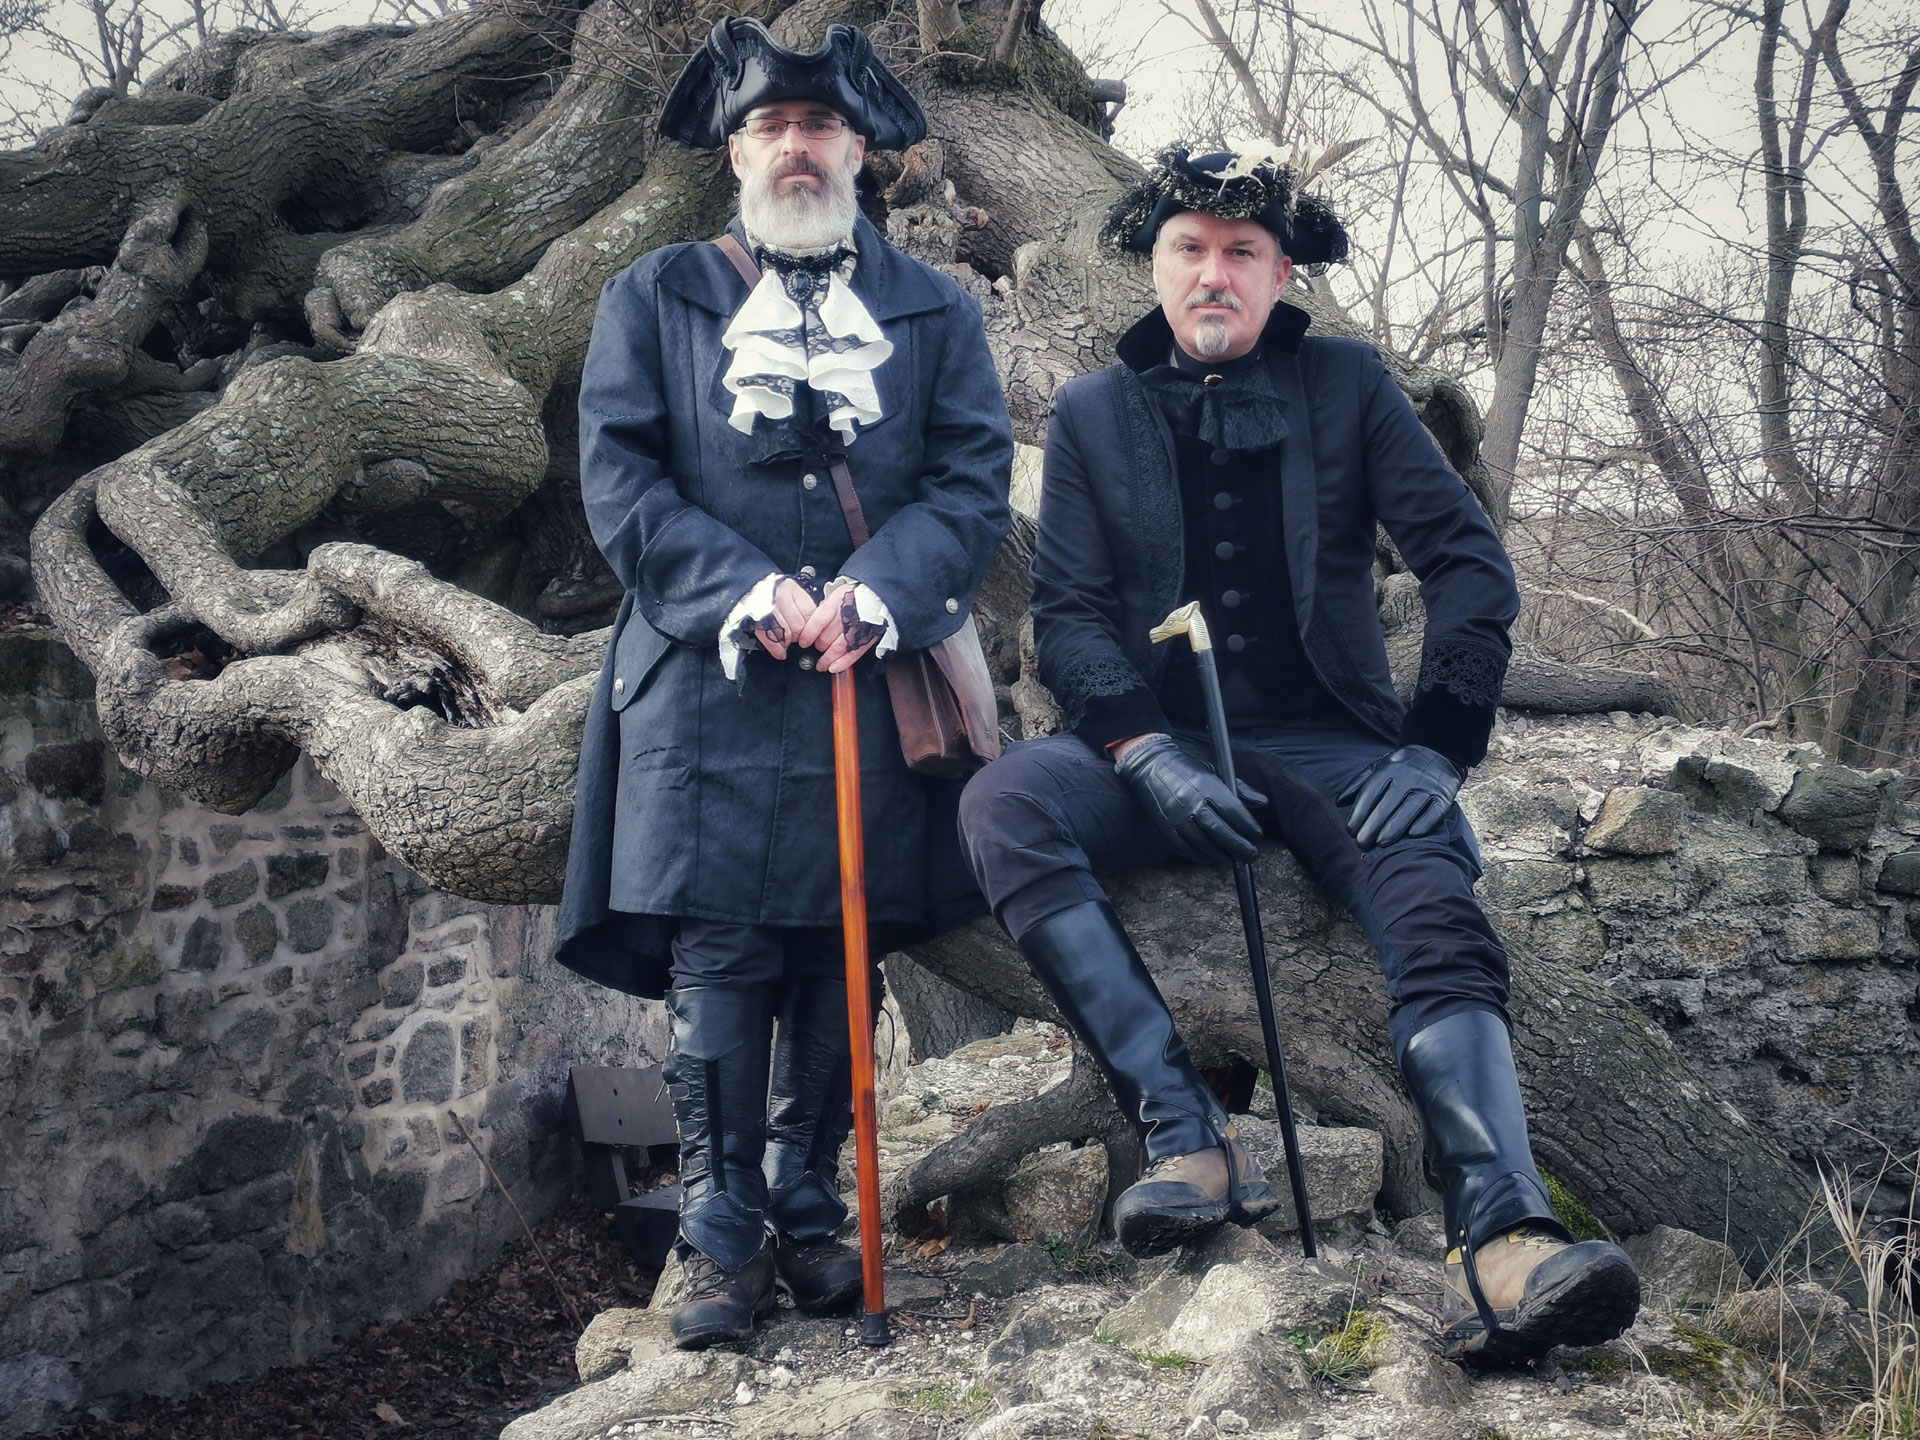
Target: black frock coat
[1109, 561]
[698, 797]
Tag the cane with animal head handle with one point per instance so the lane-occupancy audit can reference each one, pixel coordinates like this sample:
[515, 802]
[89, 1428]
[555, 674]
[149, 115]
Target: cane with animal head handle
[1188, 621]
[853, 916]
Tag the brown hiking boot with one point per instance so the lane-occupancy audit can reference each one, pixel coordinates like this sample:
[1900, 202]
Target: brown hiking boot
[818, 1275]
[721, 1304]
[1542, 1292]
[1186, 1195]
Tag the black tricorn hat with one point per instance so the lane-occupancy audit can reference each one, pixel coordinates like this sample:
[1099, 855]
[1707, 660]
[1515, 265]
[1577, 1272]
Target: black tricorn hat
[1234, 187]
[742, 66]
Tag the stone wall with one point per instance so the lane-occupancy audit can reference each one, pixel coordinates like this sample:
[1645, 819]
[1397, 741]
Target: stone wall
[1758, 900]
[231, 1049]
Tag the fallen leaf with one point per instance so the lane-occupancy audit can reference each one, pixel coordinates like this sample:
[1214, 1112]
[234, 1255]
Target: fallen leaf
[387, 1413]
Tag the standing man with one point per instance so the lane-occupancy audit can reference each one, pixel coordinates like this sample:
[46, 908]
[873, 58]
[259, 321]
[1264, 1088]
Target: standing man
[713, 417]
[1229, 459]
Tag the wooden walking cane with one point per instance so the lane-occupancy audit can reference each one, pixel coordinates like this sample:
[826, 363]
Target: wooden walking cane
[1188, 621]
[853, 915]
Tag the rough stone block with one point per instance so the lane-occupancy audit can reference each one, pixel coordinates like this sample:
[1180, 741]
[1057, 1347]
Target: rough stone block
[1826, 932]
[1682, 1268]
[309, 925]
[257, 933]
[476, 1041]
[1901, 874]
[1514, 884]
[1645, 885]
[376, 1092]
[303, 870]
[179, 1224]
[445, 972]
[1345, 1170]
[1264, 1381]
[426, 1066]
[1634, 820]
[401, 985]
[202, 948]
[240, 1148]
[1233, 1303]
[1007, 1271]
[230, 887]
[1058, 1195]
[1835, 878]
[615, 1339]
[188, 849]
[278, 982]
[1764, 880]
[68, 770]
[224, 836]
[173, 897]
[1834, 805]
[672, 1384]
[1144, 1320]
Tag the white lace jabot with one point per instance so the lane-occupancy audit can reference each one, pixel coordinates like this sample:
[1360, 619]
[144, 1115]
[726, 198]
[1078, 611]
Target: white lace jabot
[793, 329]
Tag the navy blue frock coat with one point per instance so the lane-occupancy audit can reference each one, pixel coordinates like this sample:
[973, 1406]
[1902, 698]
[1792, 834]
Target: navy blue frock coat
[700, 797]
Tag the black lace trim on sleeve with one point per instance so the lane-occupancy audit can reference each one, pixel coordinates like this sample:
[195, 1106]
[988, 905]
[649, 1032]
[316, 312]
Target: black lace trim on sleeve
[1471, 671]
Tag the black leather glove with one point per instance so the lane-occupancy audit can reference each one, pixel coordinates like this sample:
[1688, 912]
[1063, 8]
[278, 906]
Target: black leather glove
[1406, 792]
[1191, 805]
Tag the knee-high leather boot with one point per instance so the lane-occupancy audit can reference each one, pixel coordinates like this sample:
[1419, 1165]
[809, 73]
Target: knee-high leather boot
[1198, 1174]
[716, 1071]
[809, 1114]
[1529, 1285]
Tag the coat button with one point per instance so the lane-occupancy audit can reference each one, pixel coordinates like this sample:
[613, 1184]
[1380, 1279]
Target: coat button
[1220, 457]
[806, 662]
[808, 571]
[808, 482]
[619, 686]
[1231, 599]
[1236, 643]
[1225, 550]
[1223, 501]
[953, 606]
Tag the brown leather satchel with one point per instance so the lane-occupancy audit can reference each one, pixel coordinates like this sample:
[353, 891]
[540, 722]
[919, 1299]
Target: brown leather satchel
[943, 703]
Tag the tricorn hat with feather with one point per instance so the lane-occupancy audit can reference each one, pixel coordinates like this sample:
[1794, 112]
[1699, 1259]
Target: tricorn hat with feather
[741, 65]
[1247, 185]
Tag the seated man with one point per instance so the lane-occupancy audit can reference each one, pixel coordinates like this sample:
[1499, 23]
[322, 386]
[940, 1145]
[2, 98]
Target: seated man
[1229, 459]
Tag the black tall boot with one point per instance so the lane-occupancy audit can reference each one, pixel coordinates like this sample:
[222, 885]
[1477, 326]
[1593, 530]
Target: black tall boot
[809, 1114]
[1530, 1286]
[1198, 1174]
[716, 1071]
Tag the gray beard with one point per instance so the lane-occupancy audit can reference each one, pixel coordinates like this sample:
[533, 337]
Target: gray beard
[1210, 340]
[800, 220]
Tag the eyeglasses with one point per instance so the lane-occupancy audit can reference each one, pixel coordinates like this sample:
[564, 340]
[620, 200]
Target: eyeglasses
[819, 127]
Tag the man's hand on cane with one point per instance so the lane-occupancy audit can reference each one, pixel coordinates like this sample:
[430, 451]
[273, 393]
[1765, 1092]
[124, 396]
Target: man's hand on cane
[836, 629]
[793, 607]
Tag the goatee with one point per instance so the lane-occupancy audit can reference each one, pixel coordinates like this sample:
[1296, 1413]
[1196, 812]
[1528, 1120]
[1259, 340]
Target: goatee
[1210, 341]
[802, 218]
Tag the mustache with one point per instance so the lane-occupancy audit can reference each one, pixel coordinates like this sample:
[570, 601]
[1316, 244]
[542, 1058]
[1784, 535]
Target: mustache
[799, 165]
[1204, 296]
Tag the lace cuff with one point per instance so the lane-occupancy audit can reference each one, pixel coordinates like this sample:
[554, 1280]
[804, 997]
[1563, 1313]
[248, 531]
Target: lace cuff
[873, 611]
[1471, 671]
[736, 631]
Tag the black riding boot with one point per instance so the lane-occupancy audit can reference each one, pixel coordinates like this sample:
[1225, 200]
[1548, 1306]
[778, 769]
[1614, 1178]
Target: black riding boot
[1530, 1287]
[716, 1071]
[1197, 1171]
[809, 1113]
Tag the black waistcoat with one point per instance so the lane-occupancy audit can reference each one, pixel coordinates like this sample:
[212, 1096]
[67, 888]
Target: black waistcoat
[1227, 433]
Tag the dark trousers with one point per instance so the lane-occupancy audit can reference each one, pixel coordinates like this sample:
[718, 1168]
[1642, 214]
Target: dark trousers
[1041, 821]
[712, 952]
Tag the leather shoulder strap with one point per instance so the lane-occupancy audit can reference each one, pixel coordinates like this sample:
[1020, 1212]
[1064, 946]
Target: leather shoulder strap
[849, 501]
[742, 261]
